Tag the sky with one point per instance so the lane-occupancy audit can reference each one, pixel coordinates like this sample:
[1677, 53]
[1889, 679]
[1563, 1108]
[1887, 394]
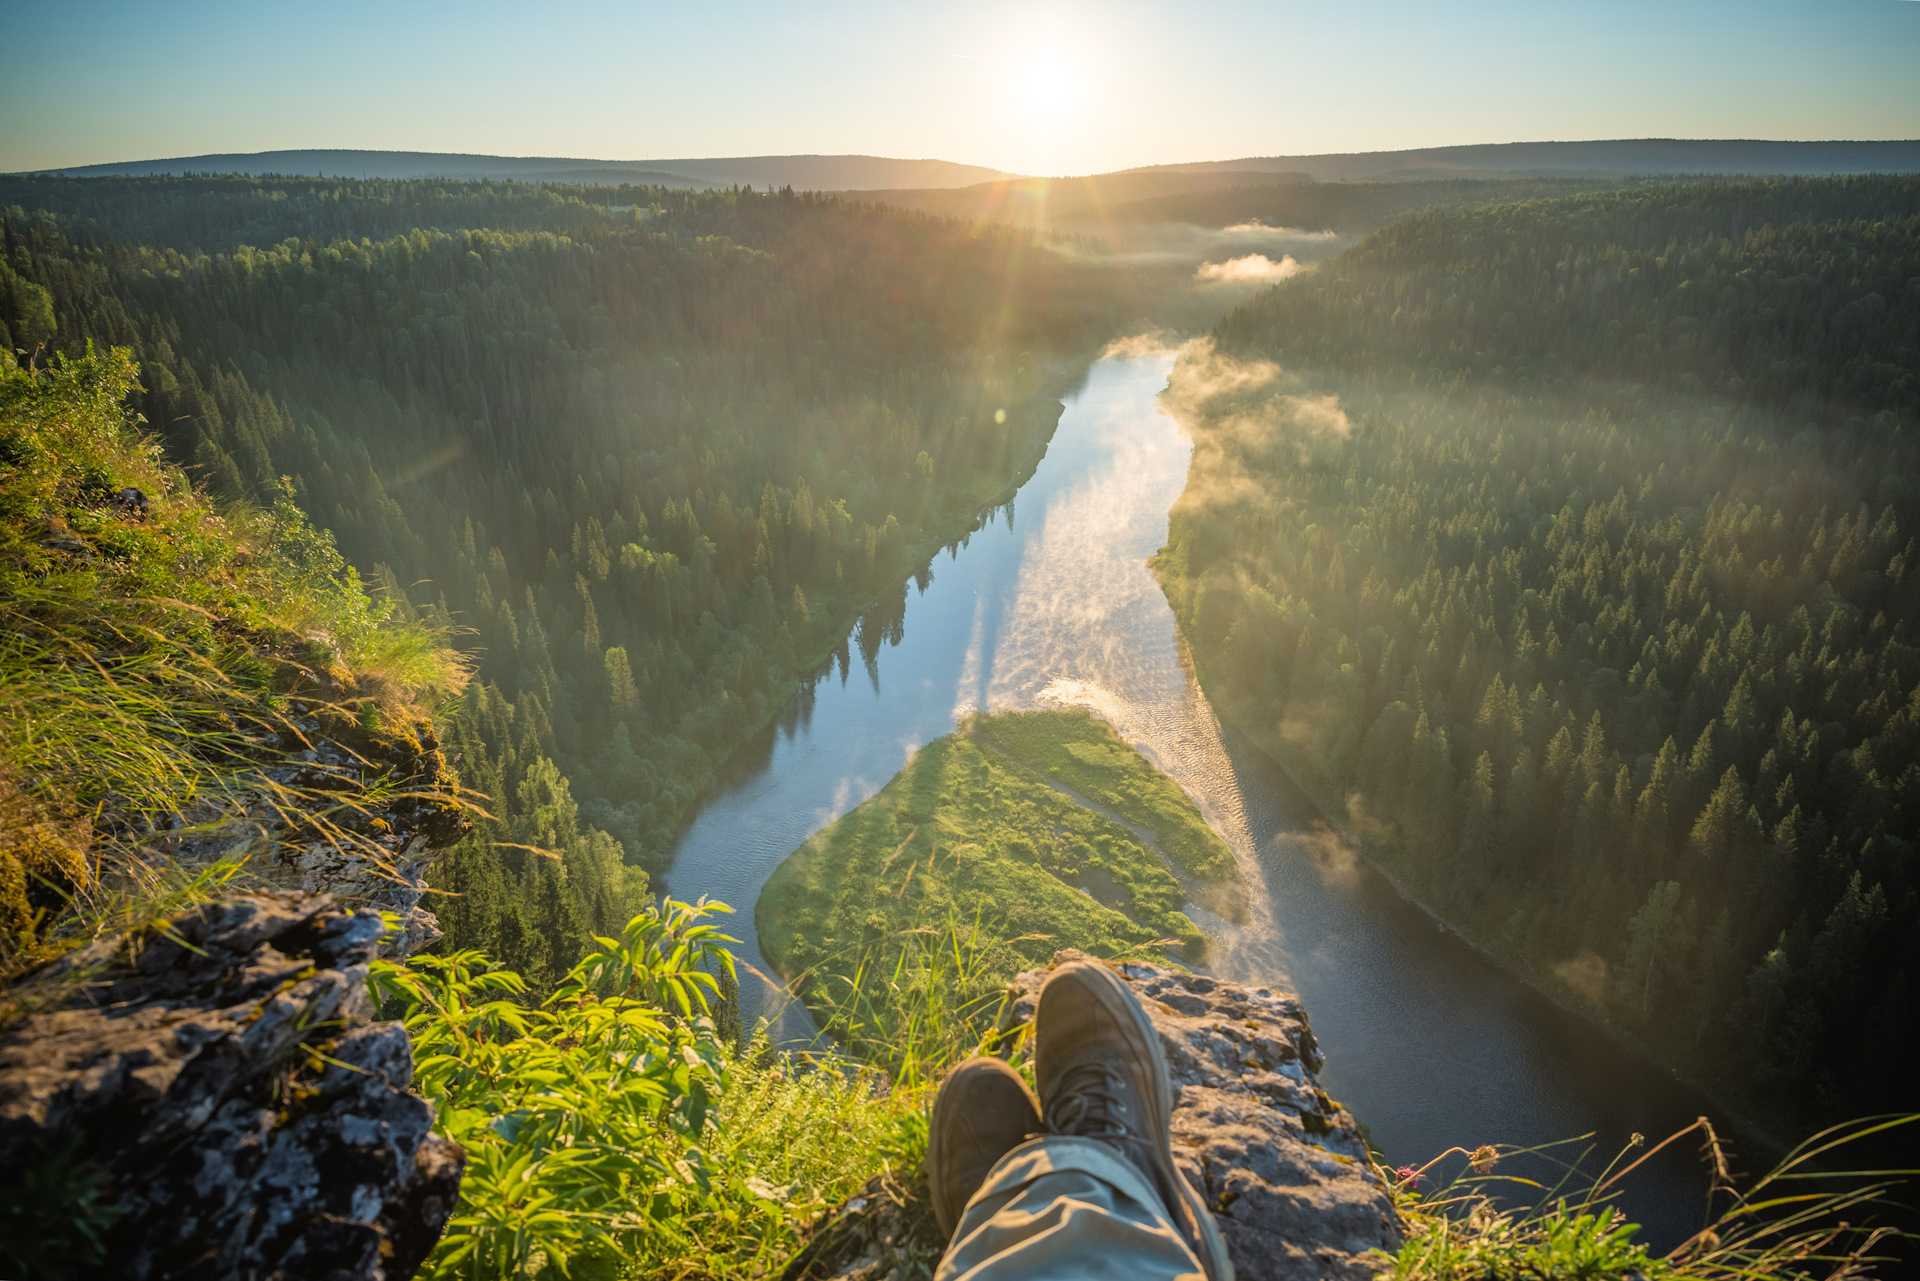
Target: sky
[1038, 87]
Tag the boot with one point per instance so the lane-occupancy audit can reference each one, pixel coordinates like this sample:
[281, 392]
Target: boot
[983, 1111]
[1103, 1075]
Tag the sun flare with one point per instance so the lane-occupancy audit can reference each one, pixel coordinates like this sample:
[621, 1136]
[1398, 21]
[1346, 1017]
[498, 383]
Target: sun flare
[1048, 86]
[1045, 91]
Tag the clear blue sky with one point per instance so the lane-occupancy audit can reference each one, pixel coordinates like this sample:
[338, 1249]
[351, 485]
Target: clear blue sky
[1038, 87]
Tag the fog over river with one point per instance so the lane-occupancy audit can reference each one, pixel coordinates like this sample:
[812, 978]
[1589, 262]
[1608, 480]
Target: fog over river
[1052, 603]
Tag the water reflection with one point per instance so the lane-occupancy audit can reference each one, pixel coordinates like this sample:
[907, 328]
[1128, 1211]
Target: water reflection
[1427, 1042]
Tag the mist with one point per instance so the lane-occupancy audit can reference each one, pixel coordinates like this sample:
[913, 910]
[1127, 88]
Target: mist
[1249, 269]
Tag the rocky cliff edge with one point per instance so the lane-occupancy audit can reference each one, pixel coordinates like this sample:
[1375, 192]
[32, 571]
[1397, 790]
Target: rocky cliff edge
[208, 1097]
[1283, 1165]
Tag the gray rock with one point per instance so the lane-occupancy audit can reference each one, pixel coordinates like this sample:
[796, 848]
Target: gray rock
[213, 1089]
[1283, 1165]
[375, 857]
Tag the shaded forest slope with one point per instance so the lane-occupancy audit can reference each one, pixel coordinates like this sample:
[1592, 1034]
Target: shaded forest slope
[1565, 548]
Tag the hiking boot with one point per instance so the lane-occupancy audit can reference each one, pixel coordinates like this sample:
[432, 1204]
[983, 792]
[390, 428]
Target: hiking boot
[1103, 1075]
[983, 1111]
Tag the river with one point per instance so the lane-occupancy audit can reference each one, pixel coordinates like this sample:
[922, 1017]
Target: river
[1051, 602]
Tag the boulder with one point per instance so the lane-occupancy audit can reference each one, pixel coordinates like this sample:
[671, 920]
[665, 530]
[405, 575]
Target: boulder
[207, 1097]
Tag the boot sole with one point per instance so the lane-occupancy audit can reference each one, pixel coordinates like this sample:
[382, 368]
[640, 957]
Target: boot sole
[1210, 1245]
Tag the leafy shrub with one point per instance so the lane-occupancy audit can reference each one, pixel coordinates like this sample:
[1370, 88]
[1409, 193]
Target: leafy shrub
[612, 1129]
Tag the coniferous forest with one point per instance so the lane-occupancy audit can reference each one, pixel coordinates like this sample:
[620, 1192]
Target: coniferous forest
[650, 454]
[1566, 549]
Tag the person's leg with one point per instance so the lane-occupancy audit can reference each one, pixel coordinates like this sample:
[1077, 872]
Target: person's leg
[1064, 1208]
[1098, 1195]
[1103, 1075]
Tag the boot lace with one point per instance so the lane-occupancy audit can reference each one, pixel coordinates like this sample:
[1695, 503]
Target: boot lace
[1091, 1102]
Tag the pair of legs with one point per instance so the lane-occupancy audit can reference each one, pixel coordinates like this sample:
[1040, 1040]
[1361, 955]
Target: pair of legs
[1079, 1183]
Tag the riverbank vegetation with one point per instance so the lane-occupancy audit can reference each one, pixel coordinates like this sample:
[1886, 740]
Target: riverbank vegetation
[649, 456]
[1036, 830]
[1564, 548]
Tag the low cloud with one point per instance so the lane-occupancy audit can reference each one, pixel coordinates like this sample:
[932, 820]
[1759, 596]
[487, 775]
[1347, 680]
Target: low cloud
[1361, 819]
[1332, 855]
[1585, 975]
[1256, 228]
[1249, 269]
[1248, 399]
[1320, 415]
[1205, 380]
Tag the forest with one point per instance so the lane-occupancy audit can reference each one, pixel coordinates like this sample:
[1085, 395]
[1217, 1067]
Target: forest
[1561, 548]
[649, 453]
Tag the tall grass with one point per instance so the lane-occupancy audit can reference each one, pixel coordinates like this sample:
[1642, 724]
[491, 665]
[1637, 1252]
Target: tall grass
[1804, 1218]
[612, 1130]
[917, 1000]
[163, 662]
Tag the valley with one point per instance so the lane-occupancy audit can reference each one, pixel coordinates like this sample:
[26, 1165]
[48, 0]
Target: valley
[1054, 604]
[1228, 569]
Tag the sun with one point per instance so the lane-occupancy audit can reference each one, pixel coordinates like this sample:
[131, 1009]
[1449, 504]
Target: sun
[1047, 85]
[1044, 90]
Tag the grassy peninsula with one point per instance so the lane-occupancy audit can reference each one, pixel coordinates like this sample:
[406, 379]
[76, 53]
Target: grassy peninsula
[1042, 823]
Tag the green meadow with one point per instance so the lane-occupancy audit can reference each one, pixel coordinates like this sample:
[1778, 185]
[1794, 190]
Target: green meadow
[1043, 825]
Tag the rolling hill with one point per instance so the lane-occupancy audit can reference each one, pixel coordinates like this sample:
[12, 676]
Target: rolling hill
[818, 173]
[1608, 157]
[1357, 190]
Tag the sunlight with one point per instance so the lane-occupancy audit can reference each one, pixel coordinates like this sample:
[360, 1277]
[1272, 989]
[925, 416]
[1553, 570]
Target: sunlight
[1046, 88]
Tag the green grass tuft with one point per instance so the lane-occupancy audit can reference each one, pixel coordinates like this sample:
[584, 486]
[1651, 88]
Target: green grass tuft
[163, 660]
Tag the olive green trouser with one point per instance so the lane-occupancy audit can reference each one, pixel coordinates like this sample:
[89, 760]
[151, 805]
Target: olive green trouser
[1058, 1208]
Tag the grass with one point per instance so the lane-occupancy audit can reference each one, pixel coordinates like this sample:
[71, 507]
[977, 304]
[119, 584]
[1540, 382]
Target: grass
[978, 828]
[1077, 750]
[164, 660]
[794, 1138]
[1804, 1218]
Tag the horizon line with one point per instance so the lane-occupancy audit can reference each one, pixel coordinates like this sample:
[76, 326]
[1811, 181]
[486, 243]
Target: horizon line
[991, 169]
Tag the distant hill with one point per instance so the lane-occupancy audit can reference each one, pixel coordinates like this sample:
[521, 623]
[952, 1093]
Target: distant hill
[818, 173]
[1326, 190]
[1619, 156]
[1059, 201]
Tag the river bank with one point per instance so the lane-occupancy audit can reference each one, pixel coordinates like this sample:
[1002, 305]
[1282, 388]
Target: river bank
[1042, 412]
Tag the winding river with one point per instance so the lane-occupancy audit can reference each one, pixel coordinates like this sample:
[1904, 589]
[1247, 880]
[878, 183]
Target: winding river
[1051, 602]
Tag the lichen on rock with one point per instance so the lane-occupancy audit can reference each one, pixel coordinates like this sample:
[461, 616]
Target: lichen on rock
[390, 803]
[210, 1098]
